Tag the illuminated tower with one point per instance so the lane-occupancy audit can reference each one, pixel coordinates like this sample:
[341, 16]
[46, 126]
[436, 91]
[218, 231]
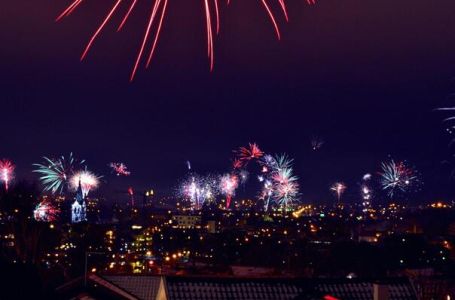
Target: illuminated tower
[78, 208]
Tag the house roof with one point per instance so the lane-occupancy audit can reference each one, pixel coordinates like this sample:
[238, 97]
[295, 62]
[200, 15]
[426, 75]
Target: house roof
[183, 288]
[141, 287]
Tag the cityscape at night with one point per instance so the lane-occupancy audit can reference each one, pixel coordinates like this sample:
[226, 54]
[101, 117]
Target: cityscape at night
[217, 149]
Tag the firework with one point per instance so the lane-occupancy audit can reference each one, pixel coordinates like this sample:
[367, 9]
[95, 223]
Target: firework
[266, 193]
[55, 173]
[228, 186]
[450, 120]
[86, 179]
[285, 187]
[237, 164]
[282, 162]
[158, 12]
[338, 189]
[6, 172]
[188, 165]
[199, 190]
[120, 169]
[243, 175]
[45, 211]
[367, 177]
[268, 163]
[365, 191]
[398, 177]
[317, 143]
[246, 154]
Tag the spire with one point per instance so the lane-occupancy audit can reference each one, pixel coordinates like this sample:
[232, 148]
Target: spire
[79, 193]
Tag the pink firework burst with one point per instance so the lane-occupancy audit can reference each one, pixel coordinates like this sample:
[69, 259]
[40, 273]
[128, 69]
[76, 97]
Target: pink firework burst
[228, 185]
[6, 172]
[86, 180]
[120, 169]
[155, 23]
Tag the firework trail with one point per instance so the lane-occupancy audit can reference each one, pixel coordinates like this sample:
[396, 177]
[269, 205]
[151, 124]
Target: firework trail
[86, 179]
[338, 189]
[317, 143]
[228, 186]
[6, 172]
[266, 193]
[366, 192]
[120, 169]
[45, 211]
[157, 14]
[55, 173]
[131, 194]
[188, 165]
[398, 177]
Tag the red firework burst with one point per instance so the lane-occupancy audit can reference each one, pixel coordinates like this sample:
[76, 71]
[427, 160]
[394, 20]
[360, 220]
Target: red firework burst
[251, 152]
[155, 24]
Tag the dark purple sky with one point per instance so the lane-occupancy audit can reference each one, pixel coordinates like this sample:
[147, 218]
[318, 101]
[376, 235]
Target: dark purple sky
[363, 74]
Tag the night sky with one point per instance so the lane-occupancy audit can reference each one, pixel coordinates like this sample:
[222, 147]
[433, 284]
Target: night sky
[363, 74]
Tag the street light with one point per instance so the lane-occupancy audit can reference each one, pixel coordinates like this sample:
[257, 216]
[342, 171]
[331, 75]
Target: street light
[87, 254]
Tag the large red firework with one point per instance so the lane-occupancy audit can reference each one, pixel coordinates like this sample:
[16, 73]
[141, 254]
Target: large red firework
[155, 24]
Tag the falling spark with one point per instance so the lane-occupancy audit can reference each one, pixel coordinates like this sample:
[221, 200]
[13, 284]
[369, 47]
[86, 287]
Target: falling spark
[155, 24]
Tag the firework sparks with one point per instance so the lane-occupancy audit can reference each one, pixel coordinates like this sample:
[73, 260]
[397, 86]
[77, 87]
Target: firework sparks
[6, 172]
[228, 186]
[86, 179]
[45, 211]
[199, 190]
[153, 29]
[397, 177]
[285, 187]
[120, 169]
[365, 190]
[55, 173]
[266, 193]
[317, 143]
[246, 154]
[338, 189]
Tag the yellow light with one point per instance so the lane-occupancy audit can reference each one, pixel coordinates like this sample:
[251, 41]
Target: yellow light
[93, 270]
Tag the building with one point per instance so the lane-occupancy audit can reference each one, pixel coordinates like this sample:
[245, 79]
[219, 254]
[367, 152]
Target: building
[182, 288]
[78, 208]
[185, 221]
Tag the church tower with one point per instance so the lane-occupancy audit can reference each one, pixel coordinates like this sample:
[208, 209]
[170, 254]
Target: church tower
[78, 208]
